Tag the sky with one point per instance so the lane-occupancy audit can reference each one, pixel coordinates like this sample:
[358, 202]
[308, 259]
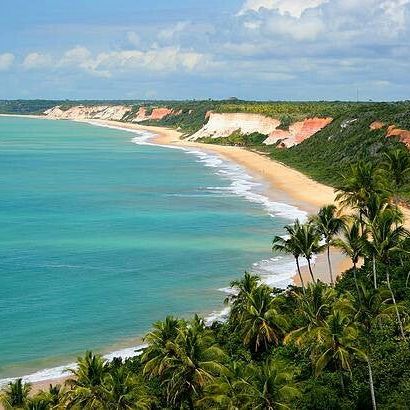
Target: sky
[193, 49]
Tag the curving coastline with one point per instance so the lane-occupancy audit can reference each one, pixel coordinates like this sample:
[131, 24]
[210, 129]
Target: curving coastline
[288, 185]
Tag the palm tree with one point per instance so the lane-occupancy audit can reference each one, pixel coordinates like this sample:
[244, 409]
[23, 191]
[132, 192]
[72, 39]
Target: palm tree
[328, 225]
[371, 307]
[194, 362]
[261, 323]
[267, 386]
[314, 307]
[334, 343]
[308, 240]
[225, 391]
[54, 396]
[379, 207]
[397, 167]
[388, 239]
[290, 246]
[123, 391]
[157, 354]
[242, 288]
[16, 394]
[352, 244]
[359, 184]
[86, 389]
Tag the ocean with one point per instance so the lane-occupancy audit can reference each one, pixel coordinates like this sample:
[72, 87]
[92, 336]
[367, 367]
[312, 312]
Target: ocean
[103, 233]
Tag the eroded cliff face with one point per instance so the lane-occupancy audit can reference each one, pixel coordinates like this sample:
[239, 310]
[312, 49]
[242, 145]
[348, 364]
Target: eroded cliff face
[107, 112]
[223, 125]
[156, 114]
[83, 112]
[393, 131]
[298, 132]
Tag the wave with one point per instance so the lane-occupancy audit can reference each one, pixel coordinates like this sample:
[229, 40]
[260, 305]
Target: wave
[242, 184]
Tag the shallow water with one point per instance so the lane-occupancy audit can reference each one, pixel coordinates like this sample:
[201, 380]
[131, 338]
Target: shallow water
[102, 234]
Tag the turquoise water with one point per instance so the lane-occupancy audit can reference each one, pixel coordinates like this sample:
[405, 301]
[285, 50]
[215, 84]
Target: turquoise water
[100, 237]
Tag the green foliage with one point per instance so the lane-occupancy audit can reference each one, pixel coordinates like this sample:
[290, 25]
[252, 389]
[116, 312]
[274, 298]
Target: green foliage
[237, 139]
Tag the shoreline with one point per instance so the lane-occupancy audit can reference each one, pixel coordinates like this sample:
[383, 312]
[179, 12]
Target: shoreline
[284, 185]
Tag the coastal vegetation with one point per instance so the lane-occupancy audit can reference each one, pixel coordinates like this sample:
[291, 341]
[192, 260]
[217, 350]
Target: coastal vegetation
[340, 345]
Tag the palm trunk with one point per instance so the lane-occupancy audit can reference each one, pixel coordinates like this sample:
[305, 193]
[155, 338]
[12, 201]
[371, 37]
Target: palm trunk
[342, 382]
[310, 270]
[356, 283]
[300, 274]
[371, 385]
[374, 272]
[395, 304]
[330, 265]
[407, 279]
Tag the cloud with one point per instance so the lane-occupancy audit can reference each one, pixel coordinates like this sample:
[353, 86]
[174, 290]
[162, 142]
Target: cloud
[294, 8]
[6, 61]
[162, 59]
[133, 38]
[34, 61]
[169, 32]
[81, 57]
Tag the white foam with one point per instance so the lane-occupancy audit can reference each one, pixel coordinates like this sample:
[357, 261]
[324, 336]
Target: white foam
[58, 372]
[242, 184]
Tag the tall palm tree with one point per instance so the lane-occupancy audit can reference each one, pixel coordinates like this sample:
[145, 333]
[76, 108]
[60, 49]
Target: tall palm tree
[268, 386]
[308, 240]
[397, 166]
[156, 356]
[352, 244]
[86, 389]
[328, 224]
[334, 343]
[379, 209]
[290, 245]
[313, 307]
[388, 239]
[362, 181]
[16, 394]
[242, 288]
[261, 324]
[196, 360]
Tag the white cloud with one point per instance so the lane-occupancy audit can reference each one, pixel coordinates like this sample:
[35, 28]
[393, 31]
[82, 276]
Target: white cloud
[163, 59]
[306, 28]
[170, 32]
[6, 61]
[82, 58]
[158, 59]
[133, 38]
[294, 8]
[35, 60]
